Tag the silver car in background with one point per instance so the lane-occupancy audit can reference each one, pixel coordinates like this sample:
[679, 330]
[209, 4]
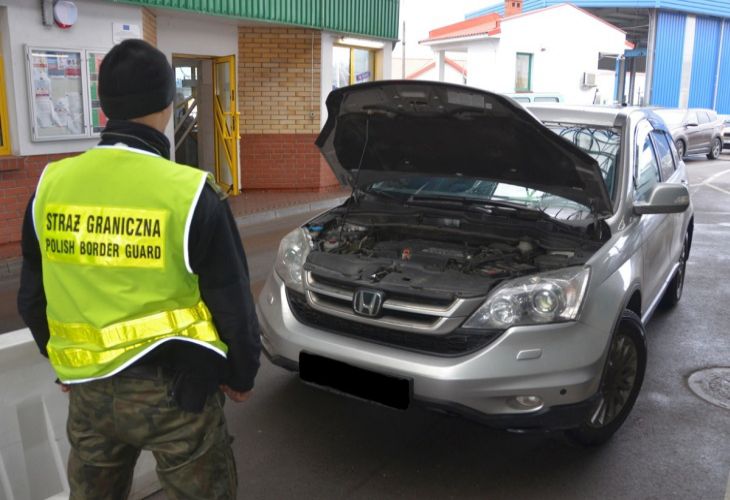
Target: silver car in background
[492, 262]
[695, 131]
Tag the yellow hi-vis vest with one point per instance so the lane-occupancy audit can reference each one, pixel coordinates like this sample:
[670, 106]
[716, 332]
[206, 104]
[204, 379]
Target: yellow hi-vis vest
[113, 227]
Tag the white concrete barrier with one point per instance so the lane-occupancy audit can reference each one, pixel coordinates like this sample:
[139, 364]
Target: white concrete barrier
[33, 443]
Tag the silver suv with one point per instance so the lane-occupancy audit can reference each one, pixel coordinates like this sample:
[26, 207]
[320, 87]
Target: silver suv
[492, 262]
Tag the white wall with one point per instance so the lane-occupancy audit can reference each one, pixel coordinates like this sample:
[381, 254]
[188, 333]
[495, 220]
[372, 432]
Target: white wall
[325, 84]
[565, 43]
[481, 64]
[21, 24]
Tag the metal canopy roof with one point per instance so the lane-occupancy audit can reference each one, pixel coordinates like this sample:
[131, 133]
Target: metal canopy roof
[713, 8]
[372, 18]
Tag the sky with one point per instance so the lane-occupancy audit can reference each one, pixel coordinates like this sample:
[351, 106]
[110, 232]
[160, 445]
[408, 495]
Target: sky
[421, 16]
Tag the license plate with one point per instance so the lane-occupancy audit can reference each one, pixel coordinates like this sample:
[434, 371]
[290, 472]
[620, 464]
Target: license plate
[364, 384]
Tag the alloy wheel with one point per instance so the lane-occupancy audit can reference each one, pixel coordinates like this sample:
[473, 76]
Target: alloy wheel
[716, 148]
[618, 381]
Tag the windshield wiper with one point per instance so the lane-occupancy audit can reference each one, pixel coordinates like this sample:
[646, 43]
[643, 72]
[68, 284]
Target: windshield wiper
[384, 194]
[462, 201]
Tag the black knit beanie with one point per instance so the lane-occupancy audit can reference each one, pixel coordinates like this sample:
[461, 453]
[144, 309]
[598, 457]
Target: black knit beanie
[135, 80]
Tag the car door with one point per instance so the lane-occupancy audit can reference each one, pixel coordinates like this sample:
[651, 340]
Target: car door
[657, 230]
[705, 130]
[693, 132]
[672, 171]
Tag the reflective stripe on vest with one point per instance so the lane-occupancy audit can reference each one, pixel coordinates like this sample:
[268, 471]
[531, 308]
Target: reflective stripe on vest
[103, 346]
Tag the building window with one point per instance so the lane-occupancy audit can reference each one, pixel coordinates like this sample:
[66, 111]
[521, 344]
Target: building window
[523, 73]
[4, 135]
[351, 65]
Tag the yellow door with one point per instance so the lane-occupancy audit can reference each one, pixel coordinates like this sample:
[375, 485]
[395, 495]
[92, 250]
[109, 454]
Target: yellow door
[226, 123]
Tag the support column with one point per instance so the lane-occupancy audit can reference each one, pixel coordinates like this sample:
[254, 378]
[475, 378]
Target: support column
[689, 47]
[632, 80]
[650, 47]
[440, 59]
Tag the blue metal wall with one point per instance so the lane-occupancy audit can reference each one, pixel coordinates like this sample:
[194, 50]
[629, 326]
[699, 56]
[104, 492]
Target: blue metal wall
[704, 62]
[668, 59]
[723, 94]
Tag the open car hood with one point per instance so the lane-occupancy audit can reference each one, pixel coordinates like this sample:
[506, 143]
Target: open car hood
[386, 129]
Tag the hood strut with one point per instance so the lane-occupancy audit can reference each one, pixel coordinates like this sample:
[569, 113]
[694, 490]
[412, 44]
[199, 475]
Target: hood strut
[357, 177]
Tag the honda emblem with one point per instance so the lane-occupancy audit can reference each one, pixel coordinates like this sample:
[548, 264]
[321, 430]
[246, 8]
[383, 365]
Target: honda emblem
[368, 302]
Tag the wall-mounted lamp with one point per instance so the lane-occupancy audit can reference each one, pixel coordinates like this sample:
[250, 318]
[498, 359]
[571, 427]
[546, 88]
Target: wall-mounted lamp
[361, 42]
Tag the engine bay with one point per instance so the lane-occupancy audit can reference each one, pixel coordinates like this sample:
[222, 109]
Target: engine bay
[449, 258]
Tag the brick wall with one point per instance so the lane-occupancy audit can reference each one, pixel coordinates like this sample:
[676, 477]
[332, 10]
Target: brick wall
[278, 93]
[149, 26]
[18, 179]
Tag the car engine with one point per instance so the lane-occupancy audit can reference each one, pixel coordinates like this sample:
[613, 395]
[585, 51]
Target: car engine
[400, 256]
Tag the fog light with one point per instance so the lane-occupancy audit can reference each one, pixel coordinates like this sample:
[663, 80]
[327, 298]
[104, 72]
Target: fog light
[529, 402]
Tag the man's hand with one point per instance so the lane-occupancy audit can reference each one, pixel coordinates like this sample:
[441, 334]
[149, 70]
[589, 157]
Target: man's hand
[65, 387]
[235, 396]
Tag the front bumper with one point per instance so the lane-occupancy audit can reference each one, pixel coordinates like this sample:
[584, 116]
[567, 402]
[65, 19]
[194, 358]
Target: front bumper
[482, 385]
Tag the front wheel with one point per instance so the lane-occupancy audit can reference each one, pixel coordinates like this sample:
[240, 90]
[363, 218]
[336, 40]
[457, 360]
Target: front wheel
[715, 149]
[622, 378]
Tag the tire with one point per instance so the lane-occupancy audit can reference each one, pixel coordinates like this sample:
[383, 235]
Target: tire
[620, 385]
[681, 150]
[674, 291]
[715, 149]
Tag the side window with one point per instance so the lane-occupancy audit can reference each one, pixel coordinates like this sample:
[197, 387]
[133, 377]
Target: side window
[702, 117]
[691, 117]
[664, 152]
[523, 72]
[647, 168]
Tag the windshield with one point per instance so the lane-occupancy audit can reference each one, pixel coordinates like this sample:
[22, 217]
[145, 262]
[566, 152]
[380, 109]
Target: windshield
[418, 190]
[601, 143]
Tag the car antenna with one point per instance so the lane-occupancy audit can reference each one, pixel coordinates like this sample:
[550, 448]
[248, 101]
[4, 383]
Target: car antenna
[357, 176]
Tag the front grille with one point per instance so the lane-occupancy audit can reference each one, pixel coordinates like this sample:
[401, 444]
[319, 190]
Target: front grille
[398, 312]
[455, 343]
[421, 299]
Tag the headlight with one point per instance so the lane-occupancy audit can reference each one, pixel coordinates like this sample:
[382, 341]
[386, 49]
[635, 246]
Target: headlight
[293, 251]
[541, 298]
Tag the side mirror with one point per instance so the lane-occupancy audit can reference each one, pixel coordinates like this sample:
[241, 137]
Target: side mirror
[665, 198]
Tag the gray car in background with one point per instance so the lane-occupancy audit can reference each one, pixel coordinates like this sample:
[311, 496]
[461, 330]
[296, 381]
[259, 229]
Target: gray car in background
[725, 131]
[492, 262]
[695, 131]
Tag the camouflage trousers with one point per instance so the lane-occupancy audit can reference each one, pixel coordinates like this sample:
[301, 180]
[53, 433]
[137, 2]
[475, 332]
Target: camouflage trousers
[111, 420]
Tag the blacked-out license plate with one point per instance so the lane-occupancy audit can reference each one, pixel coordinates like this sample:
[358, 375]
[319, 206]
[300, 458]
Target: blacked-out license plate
[341, 377]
